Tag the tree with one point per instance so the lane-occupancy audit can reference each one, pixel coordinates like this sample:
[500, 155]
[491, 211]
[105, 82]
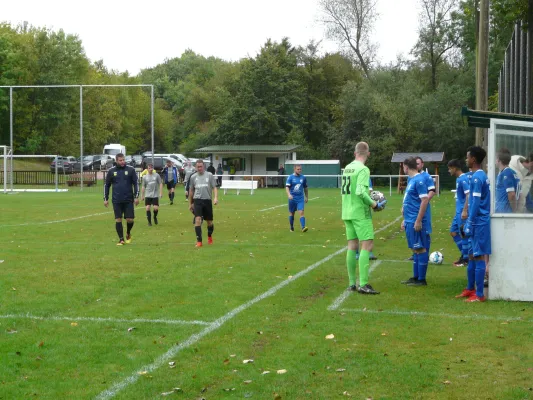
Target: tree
[435, 36]
[350, 22]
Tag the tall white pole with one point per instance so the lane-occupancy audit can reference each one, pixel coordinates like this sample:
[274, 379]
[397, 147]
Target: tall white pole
[81, 137]
[11, 133]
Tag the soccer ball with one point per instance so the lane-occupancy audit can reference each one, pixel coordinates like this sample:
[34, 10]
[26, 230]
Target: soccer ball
[377, 196]
[436, 257]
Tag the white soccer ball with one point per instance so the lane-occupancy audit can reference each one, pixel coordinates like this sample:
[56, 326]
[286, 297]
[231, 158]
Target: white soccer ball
[436, 257]
[376, 195]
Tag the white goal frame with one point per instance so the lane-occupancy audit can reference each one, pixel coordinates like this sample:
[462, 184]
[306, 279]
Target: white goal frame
[11, 87]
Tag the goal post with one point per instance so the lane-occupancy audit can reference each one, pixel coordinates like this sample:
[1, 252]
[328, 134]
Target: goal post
[81, 88]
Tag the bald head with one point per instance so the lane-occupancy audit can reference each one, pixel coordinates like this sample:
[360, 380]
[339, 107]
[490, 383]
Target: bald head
[361, 149]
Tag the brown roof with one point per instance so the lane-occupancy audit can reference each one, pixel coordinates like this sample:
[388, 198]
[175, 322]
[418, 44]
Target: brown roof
[426, 157]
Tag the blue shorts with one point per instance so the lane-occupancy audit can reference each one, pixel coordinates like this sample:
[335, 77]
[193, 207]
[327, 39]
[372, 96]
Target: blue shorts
[416, 240]
[479, 243]
[296, 204]
[456, 223]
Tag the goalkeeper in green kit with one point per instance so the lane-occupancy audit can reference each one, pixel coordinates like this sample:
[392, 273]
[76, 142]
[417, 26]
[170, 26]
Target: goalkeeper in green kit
[357, 217]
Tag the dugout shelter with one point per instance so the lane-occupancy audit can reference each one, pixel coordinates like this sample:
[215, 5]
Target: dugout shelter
[511, 262]
[428, 158]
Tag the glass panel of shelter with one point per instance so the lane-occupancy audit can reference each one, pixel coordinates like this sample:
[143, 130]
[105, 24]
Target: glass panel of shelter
[518, 139]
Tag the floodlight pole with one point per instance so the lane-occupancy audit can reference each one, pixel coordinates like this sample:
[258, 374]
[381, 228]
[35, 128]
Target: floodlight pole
[152, 114]
[81, 138]
[11, 133]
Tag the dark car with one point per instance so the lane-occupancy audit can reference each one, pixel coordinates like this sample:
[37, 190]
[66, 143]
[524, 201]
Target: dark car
[90, 163]
[130, 161]
[105, 161]
[138, 159]
[65, 165]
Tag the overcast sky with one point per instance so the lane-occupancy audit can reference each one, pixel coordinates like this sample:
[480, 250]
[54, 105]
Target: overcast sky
[131, 35]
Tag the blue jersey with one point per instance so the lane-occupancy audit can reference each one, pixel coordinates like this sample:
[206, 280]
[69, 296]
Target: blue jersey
[479, 188]
[430, 183]
[462, 188]
[506, 182]
[415, 191]
[296, 185]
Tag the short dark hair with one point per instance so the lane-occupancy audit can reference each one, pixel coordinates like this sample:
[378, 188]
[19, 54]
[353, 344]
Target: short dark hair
[149, 165]
[119, 155]
[504, 155]
[419, 158]
[477, 152]
[410, 162]
[455, 163]
[199, 162]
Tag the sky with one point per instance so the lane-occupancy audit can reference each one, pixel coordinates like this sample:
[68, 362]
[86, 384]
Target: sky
[132, 35]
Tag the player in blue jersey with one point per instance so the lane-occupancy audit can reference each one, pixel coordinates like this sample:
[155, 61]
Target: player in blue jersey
[296, 188]
[372, 256]
[415, 223]
[506, 184]
[477, 226]
[430, 183]
[462, 188]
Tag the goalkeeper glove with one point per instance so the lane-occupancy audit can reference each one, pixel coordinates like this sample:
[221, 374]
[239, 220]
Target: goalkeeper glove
[380, 205]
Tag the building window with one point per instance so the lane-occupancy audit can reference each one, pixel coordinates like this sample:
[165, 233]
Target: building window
[272, 163]
[234, 163]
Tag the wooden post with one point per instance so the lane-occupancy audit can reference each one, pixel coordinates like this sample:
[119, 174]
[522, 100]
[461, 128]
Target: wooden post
[482, 72]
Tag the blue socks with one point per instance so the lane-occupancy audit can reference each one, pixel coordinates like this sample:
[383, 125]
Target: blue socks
[415, 265]
[302, 222]
[471, 274]
[459, 243]
[291, 221]
[480, 276]
[423, 259]
[465, 248]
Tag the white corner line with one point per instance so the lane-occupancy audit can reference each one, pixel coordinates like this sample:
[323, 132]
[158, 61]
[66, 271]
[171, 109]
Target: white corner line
[283, 205]
[164, 358]
[161, 360]
[344, 295]
[438, 315]
[100, 319]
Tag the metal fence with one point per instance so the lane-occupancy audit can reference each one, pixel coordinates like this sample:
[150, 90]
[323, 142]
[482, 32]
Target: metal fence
[515, 95]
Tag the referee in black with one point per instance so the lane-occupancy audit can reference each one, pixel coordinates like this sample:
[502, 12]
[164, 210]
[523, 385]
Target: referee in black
[201, 185]
[125, 193]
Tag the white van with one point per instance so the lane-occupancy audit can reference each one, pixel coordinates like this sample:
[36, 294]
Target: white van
[113, 149]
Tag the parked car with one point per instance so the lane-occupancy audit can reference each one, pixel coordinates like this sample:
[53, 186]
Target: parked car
[106, 161]
[130, 161]
[65, 165]
[138, 159]
[89, 163]
[159, 161]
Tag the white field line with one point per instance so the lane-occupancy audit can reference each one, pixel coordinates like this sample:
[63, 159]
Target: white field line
[98, 319]
[438, 315]
[283, 205]
[191, 244]
[344, 295]
[62, 220]
[56, 221]
[171, 353]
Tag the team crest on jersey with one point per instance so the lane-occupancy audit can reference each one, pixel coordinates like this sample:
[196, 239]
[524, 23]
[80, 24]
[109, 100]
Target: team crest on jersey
[126, 172]
[475, 179]
[301, 180]
[114, 173]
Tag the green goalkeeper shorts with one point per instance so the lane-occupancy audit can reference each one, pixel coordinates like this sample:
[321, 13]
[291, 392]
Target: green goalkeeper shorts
[360, 229]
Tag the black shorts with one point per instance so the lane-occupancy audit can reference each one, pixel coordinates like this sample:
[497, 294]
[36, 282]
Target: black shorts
[125, 209]
[203, 208]
[171, 185]
[151, 201]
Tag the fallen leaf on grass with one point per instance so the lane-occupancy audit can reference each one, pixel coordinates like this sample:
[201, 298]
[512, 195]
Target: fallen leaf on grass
[384, 334]
[247, 361]
[446, 382]
[226, 361]
[247, 382]
[1, 261]
[73, 324]
[265, 372]
[259, 332]
[228, 389]
[175, 390]
[345, 393]
[131, 329]
[340, 370]
[11, 331]
[14, 288]
[277, 396]
[142, 372]
[330, 336]
[233, 355]
[281, 371]
[41, 344]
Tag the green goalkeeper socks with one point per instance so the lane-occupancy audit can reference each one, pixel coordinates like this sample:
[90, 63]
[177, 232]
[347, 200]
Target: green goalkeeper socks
[364, 265]
[351, 263]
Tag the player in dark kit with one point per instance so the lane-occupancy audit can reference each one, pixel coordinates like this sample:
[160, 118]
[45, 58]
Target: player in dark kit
[125, 184]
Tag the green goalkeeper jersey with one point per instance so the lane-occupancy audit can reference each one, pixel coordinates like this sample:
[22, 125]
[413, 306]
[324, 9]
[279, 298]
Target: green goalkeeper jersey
[356, 201]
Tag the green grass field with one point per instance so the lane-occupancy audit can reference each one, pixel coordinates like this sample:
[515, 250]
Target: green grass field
[69, 297]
